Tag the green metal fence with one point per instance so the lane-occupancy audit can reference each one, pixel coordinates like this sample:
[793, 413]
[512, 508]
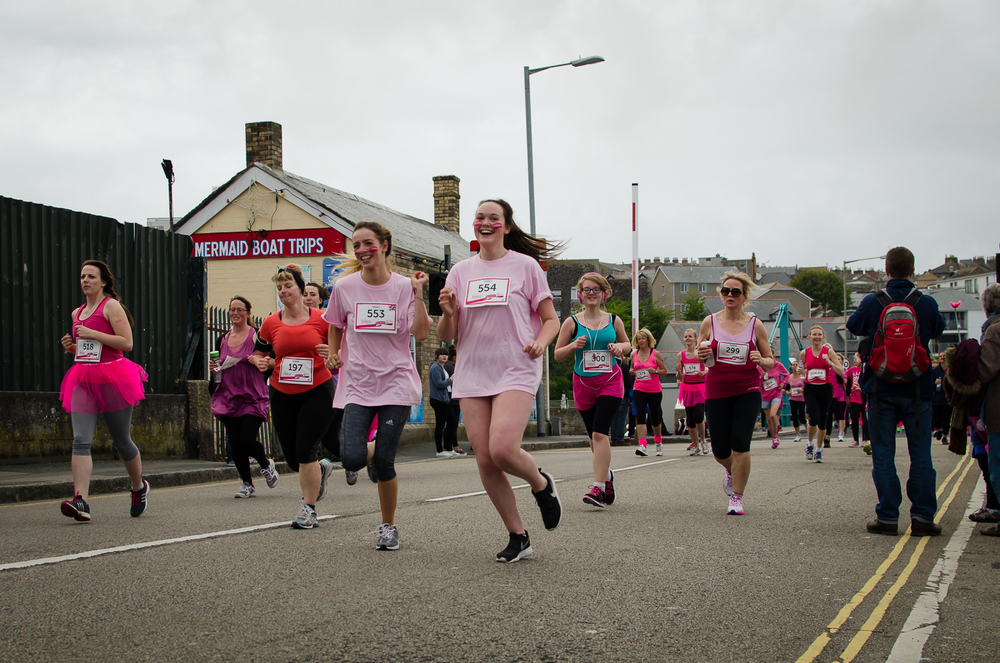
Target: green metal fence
[41, 250]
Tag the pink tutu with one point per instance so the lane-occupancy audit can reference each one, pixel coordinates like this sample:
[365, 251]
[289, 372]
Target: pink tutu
[586, 390]
[691, 394]
[104, 387]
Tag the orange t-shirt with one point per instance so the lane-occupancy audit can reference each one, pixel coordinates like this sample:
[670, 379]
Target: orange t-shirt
[292, 342]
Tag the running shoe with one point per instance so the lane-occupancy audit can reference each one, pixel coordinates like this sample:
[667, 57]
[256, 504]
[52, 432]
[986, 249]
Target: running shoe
[840, 438]
[641, 450]
[306, 518]
[819, 456]
[460, 452]
[659, 448]
[798, 438]
[727, 483]
[352, 477]
[595, 497]
[705, 448]
[735, 505]
[983, 515]
[139, 499]
[826, 443]
[325, 470]
[692, 446]
[609, 489]
[697, 452]
[372, 474]
[855, 443]
[519, 547]
[446, 454]
[775, 442]
[868, 448]
[270, 474]
[387, 537]
[79, 509]
[809, 452]
[548, 502]
[245, 490]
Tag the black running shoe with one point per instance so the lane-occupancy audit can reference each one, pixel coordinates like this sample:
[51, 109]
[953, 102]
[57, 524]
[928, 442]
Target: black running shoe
[76, 508]
[548, 502]
[139, 499]
[519, 547]
[609, 490]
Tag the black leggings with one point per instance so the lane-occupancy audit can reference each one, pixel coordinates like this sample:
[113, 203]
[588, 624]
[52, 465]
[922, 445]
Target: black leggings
[598, 418]
[798, 413]
[445, 426]
[857, 417]
[653, 400]
[242, 433]
[695, 414]
[731, 421]
[836, 413]
[302, 421]
[818, 399]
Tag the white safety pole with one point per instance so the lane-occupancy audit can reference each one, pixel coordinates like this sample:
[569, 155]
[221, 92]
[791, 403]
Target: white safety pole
[635, 259]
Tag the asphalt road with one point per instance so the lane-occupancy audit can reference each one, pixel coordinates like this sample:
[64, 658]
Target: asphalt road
[662, 575]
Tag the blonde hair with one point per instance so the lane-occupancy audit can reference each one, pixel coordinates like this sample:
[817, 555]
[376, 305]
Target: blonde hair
[749, 287]
[819, 328]
[596, 278]
[291, 272]
[350, 264]
[646, 334]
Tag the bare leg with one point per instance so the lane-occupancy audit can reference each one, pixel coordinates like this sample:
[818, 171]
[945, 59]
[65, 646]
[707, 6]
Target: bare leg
[388, 494]
[83, 467]
[601, 446]
[701, 431]
[309, 479]
[134, 469]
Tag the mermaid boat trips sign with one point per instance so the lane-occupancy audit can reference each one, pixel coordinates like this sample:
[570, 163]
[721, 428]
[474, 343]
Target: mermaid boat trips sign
[258, 244]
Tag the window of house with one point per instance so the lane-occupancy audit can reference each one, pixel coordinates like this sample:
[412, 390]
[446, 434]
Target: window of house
[743, 265]
[702, 287]
[663, 290]
[684, 288]
[573, 293]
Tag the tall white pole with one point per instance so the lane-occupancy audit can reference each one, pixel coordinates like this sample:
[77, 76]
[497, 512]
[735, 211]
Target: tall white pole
[635, 259]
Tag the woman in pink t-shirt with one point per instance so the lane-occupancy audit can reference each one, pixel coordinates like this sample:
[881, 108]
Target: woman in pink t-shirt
[853, 379]
[376, 310]
[772, 385]
[499, 305]
[796, 400]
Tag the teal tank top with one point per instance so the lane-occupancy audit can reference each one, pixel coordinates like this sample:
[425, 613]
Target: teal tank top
[596, 340]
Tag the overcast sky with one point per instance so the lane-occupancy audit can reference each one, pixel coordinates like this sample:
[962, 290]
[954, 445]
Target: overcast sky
[807, 132]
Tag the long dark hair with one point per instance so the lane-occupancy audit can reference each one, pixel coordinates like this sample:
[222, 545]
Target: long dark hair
[520, 241]
[109, 285]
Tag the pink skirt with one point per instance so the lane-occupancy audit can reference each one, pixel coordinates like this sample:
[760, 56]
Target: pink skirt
[587, 389]
[691, 394]
[105, 387]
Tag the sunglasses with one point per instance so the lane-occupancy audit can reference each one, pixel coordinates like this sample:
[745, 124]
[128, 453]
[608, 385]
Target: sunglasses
[735, 292]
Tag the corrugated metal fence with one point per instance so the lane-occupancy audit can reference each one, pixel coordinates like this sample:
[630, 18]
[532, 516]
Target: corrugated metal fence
[41, 250]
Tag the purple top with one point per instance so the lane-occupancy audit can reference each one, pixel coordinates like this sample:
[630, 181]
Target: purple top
[242, 389]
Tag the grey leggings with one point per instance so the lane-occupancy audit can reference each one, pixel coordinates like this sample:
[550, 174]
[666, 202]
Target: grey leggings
[354, 437]
[119, 423]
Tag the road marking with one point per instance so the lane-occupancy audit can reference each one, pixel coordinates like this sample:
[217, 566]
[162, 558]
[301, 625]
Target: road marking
[820, 643]
[524, 485]
[149, 544]
[924, 617]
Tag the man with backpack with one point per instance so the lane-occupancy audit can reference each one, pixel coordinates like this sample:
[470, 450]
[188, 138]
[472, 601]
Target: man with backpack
[898, 323]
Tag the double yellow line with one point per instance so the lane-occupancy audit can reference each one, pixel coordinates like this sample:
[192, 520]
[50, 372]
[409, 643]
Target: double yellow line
[866, 630]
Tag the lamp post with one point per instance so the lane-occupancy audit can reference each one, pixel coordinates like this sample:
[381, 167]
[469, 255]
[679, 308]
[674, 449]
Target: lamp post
[843, 274]
[168, 170]
[542, 397]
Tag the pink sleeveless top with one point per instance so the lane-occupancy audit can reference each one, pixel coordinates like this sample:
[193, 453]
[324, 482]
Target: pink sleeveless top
[650, 385]
[817, 370]
[733, 373]
[691, 368]
[98, 323]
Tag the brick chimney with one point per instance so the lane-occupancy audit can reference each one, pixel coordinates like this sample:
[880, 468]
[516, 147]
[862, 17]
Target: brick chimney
[446, 199]
[264, 144]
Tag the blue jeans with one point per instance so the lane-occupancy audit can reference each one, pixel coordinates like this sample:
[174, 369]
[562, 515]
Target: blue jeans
[884, 412]
[618, 423]
[994, 458]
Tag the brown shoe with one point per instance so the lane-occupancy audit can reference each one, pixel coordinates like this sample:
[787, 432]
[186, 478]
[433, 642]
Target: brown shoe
[878, 527]
[991, 531]
[920, 528]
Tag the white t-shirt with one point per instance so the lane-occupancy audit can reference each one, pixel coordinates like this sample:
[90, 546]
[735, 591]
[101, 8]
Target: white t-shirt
[376, 322]
[497, 316]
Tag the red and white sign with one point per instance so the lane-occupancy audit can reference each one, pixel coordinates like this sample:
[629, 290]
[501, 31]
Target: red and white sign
[276, 243]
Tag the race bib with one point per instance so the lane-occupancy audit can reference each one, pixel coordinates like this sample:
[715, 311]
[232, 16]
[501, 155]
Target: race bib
[296, 370]
[375, 318]
[770, 384]
[690, 369]
[733, 353]
[487, 292]
[642, 374]
[88, 351]
[856, 382]
[597, 361]
[796, 391]
[816, 375]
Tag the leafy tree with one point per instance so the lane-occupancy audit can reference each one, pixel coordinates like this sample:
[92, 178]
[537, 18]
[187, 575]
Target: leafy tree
[694, 306]
[651, 316]
[823, 286]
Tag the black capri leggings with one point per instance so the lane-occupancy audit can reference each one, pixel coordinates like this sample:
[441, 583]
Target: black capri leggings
[818, 397]
[653, 400]
[731, 421]
[598, 418]
[695, 414]
[836, 413]
[798, 413]
[242, 432]
[302, 421]
[857, 412]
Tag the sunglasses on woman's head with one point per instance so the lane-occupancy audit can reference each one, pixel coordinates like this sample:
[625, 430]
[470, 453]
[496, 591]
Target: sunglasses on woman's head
[735, 292]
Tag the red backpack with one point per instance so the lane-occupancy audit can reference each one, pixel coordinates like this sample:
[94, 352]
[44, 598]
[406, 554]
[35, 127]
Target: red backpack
[897, 355]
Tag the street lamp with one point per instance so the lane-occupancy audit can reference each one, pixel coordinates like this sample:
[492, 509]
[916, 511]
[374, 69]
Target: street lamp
[542, 397]
[168, 170]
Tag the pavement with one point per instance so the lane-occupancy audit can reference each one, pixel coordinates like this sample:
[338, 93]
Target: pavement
[28, 482]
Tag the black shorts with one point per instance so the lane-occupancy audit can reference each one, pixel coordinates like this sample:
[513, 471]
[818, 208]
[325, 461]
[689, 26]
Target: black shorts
[731, 421]
[819, 398]
[598, 418]
[653, 400]
[695, 414]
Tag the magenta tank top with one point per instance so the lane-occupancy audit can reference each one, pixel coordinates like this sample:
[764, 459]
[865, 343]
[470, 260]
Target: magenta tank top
[733, 373]
[98, 323]
[691, 368]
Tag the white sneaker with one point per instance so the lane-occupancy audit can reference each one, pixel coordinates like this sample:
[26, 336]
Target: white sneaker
[798, 438]
[659, 448]
[445, 454]
[727, 483]
[735, 505]
[705, 448]
[841, 438]
[270, 474]
[245, 490]
[325, 470]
